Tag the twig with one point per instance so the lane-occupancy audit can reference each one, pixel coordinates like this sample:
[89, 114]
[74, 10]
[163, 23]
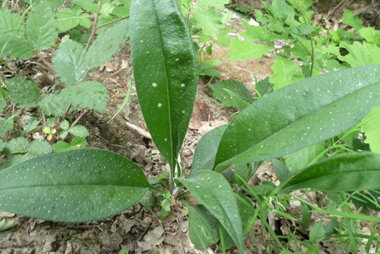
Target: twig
[16, 245]
[333, 9]
[139, 130]
[79, 117]
[94, 28]
[67, 111]
[47, 64]
[44, 118]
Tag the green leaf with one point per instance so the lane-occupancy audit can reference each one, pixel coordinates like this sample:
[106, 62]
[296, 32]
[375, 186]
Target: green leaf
[16, 47]
[350, 19]
[312, 250]
[11, 24]
[73, 186]
[351, 172]
[203, 227]
[69, 61]
[64, 125]
[361, 54]
[76, 143]
[217, 4]
[238, 102]
[370, 35]
[14, 159]
[90, 94]
[3, 127]
[258, 33]
[210, 20]
[164, 68]
[41, 27]
[222, 95]
[7, 224]
[223, 38]
[66, 19]
[302, 29]
[2, 145]
[204, 154]
[23, 92]
[285, 72]
[370, 126]
[79, 130]
[282, 171]
[302, 158]
[39, 147]
[305, 113]
[244, 50]
[317, 233]
[103, 48]
[30, 124]
[282, 11]
[16, 145]
[3, 93]
[54, 104]
[215, 193]
[3, 104]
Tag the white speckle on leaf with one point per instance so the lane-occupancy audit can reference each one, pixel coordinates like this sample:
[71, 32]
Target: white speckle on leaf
[159, 105]
[154, 84]
[142, 41]
[182, 85]
[177, 59]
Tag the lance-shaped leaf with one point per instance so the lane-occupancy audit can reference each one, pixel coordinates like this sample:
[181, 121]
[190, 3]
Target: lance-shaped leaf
[299, 115]
[215, 193]
[72, 186]
[164, 67]
[352, 172]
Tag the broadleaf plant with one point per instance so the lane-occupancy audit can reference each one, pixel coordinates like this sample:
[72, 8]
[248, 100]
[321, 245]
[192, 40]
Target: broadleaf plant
[88, 184]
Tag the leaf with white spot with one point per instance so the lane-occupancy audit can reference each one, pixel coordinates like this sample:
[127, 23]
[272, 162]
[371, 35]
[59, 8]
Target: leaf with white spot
[215, 193]
[299, 115]
[72, 186]
[90, 94]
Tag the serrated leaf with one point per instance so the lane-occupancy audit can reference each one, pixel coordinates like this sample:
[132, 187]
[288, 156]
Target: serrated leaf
[282, 11]
[23, 92]
[79, 130]
[3, 127]
[16, 145]
[244, 50]
[285, 72]
[217, 4]
[16, 47]
[215, 193]
[11, 24]
[54, 104]
[370, 126]
[258, 33]
[51, 121]
[209, 20]
[351, 172]
[39, 147]
[69, 61]
[302, 29]
[84, 185]
[64, 125]
[361, 54]
[66, 19]
[302, 158]
[30, 124]
[103, 48]
[164, 68]
[308, 111]
[41, 27]
[232, 85]
[90, 94]
[205, 151]
[223, 38]
[370, 35]
[350, 19]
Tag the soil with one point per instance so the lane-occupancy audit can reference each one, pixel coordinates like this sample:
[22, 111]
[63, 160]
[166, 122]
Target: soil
[137, 229]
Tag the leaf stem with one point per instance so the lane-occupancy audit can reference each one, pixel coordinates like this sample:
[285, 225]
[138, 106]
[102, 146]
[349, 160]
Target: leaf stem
[79, 117]
[111, 22]
[94, 28]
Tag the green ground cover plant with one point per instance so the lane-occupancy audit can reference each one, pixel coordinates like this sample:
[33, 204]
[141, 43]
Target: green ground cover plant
[89, 184]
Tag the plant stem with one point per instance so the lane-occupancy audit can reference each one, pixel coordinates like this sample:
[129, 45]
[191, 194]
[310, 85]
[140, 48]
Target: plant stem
[79, 117]
[111, 22]
[94, 28]
[47, 64]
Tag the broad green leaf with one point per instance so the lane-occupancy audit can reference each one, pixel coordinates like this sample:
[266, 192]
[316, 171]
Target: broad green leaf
[371, 128]
[30, 124]
[64, 125]
[282, 171]
[244, 50]
[76, 143]
[317, 233]
[54, 104]
[285, 72]
[11, 24]
[370, 35]
[107, 44]
[302, 29]
[210, 20]
[258, 33]
[16, 145]
[218, 4]
[282, 11]
[39, 147]
[3, 104]
[300, 115]
[351, 172]
[238, 102]
[90, 94]
[215, 193]
[14, 159]
[73, 186]
[23, 92]
[16, 47]
[203, 227]
[232, 85]
[204, 154]
[66, 19]
[350, 19]
[79, 130]
[164, 68]
[223, 38]
[41, 27]
[3, 127]
[3, 93]
[302, 158]
[69, 61]
[361, 54]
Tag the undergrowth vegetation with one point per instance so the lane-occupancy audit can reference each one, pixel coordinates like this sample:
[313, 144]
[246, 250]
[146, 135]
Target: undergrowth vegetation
[315, 119]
